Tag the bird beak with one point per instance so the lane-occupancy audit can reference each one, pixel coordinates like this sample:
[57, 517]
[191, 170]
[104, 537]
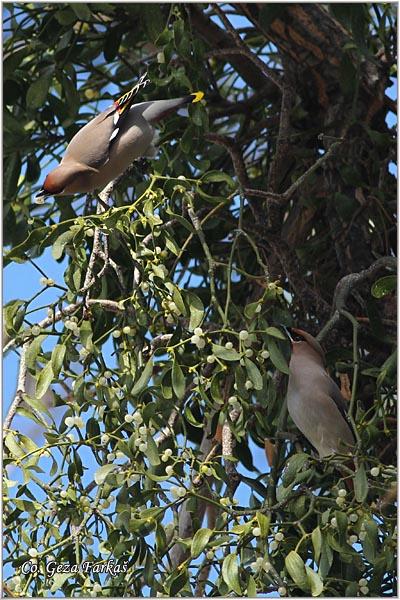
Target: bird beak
[41, 196]
[287, 331]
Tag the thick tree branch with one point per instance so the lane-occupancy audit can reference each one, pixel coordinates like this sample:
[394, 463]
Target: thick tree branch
[348, 283]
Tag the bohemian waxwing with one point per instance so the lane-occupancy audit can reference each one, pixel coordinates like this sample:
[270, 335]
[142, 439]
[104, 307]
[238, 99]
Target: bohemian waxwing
[106, 146]
[314, 401]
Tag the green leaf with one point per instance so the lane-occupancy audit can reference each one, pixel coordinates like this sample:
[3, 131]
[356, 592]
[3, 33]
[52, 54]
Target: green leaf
[152, 451]
[161, 539]
[12, 170]
[230, 573]
[383, 286]
[352, 589]
[148, 573]
[143, 379]
[39, 406]
[316, 538]
[371, 541]
[60, 243]
[263, 523]
[275, 332]
[196, 310]
[65, 17]
[277, 358]
[177, 298]
[199, 117]
[388, 369]
[187, 139]
[13, 446]
[191, 419]
[34, 237]
[326, 559]
[38, 90]
[58, 580]
[200, 541]
[225, 353]
[254, 374]
[342, 522]
[360, 484]
[217, 177]
[251, 587]
[178, 380]
[43, 381]
[10, 311]
[242, 530]
[71, 95]
[315, 582]
[296, 569]
[250, 310]
[293, 467]
[82, 11]
[112, 43]
[178, 582]
[178, 29]
[86, 334]
[171, 244]
[102, 472]
[57, 358]
[153, 20]
[33, 416]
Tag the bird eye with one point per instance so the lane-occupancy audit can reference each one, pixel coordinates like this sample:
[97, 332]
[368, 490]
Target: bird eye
[296, 337]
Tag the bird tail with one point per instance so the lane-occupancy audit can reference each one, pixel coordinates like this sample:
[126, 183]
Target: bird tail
[159, 109]
[197, 96]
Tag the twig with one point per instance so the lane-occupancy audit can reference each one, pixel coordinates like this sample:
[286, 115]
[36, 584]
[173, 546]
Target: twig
[240, 170]
[90, 278]
[210, 260]
[300, 180]
[21, 387]
[270, 196]
[168, 431]
[283, 132]
[185, 526]
[68, 310]
[228, 444]
[115, 267]
[110, 305]
[356, 363]
[243, 49]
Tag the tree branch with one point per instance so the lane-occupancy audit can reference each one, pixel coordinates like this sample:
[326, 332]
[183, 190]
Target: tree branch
[346, 285]
[21, 387]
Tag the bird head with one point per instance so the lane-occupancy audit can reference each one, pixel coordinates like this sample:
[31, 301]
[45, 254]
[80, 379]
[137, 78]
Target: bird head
[61, 180]
[303, 342]
[54, 184]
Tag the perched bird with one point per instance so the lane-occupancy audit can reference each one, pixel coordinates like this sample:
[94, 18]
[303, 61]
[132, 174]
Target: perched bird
[106, 146]
[314, 401]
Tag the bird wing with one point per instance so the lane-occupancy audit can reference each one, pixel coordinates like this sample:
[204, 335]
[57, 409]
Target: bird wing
[332, 427]
[340, 402]
[318, 409]
[91, 145]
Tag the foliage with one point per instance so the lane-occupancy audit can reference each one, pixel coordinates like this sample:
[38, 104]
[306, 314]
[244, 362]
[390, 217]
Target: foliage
[259, 203]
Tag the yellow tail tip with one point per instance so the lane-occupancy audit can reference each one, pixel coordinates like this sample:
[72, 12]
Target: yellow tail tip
[197, 96]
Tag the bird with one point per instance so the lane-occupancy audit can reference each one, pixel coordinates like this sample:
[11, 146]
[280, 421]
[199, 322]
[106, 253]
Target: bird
[107, 145]
[314, 401]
